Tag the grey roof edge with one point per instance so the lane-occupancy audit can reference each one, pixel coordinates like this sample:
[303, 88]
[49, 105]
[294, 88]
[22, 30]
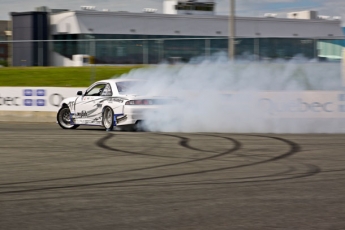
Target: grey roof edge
[27, 13]
[219, 17]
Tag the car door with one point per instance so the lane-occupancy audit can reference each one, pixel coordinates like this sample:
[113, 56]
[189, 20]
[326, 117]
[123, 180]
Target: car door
[89, 107]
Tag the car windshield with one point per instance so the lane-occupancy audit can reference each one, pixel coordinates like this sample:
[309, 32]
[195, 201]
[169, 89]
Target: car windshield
[128, 87]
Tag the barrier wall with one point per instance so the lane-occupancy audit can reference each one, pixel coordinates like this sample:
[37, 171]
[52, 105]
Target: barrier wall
[304, 104]
[34, 98]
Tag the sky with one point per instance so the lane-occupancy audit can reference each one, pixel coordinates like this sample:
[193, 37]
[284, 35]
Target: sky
[255, 8]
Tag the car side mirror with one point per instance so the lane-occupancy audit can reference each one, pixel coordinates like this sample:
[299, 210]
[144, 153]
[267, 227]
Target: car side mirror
[80, 93]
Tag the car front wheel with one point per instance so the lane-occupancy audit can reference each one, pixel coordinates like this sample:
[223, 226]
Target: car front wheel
[64, 118]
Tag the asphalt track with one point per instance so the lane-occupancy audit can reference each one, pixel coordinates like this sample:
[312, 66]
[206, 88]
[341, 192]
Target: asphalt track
[91, 179]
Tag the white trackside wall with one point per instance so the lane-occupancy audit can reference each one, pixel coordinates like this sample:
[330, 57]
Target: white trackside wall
[301, 104]
[307, 104]
[34, 98]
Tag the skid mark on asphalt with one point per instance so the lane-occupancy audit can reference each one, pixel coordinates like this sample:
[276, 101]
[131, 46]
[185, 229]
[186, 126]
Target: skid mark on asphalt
[293, 149]
[101, 143]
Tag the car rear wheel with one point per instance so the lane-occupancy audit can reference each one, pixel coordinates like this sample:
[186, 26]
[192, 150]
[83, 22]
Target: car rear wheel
[108, 118]
[64, 118]
[137, 127]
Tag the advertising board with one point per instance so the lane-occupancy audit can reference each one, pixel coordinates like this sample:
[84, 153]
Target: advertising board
[305, 104]
[301, 104]
[34, 98]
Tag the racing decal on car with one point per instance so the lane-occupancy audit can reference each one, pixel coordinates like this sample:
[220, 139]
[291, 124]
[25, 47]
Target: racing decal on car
[91, 111]
[71, 104]
[95, 121]
[107, 91]
[119, 119]
[85, 114]
[116, 99]
[82, 114]
[95, 115]
[86, 101]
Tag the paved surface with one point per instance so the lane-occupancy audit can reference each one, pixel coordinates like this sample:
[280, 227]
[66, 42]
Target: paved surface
[91, 179]
[29, 116]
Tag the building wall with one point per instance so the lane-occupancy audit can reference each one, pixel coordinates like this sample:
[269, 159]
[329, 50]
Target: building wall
[308, 14]
[3, 52]
[82, 22]
[22, 30]
[259, 37]
[4, 46]
[30, 26]
[169, 7]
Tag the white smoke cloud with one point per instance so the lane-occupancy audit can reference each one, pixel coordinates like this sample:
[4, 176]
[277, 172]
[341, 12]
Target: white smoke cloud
[217, 95]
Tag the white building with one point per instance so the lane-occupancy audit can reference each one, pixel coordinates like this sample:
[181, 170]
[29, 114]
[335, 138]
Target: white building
[75, 32]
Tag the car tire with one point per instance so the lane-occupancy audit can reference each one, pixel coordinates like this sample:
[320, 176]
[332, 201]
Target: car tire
[108, 118]
[64, 118]
[139, 127]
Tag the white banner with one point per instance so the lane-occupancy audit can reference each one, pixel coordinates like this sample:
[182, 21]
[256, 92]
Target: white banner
[34, 98]
[304, 104]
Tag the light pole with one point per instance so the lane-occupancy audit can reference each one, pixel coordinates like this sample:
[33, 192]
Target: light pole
[232, 30]
[343, 68]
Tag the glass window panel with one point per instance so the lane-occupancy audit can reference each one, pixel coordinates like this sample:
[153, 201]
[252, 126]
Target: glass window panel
[96, 90]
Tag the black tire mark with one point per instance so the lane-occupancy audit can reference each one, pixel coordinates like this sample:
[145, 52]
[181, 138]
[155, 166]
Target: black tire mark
[191, 183]
[294, 148]
[184, 143]
[312, 170]
[101, 143]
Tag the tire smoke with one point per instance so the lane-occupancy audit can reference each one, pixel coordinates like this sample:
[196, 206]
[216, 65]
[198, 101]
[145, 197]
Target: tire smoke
[217, 95]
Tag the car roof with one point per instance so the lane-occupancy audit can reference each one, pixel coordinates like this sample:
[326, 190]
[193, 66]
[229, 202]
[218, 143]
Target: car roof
[115, 80]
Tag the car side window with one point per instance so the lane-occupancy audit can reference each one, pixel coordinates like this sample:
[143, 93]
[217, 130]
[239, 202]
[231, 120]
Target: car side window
[107, 91]
[97, 90]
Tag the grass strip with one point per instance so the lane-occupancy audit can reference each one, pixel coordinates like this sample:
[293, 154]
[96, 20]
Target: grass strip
[59, 76]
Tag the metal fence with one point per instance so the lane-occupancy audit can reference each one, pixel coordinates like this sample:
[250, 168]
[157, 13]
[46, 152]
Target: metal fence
[76, 52]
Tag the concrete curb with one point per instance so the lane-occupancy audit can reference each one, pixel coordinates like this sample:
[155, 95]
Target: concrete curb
[28, 116]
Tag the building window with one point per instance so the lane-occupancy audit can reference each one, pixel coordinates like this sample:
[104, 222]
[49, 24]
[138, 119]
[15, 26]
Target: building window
[198, 6]
[2, 50]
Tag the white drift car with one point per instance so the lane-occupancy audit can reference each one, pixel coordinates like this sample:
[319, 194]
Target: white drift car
[106, 103]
